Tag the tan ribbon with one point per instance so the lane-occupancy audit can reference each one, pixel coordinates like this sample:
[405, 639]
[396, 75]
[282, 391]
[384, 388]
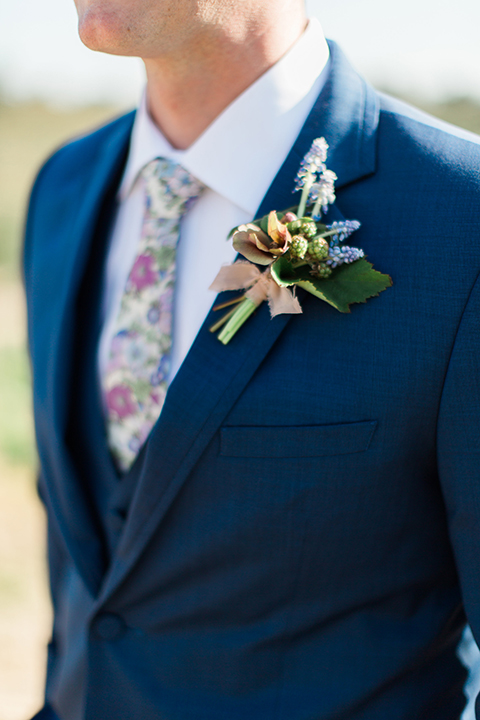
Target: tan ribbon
[262, 286]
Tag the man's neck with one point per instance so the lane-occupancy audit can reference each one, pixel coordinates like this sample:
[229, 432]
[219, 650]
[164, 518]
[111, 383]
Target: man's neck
[185, 94]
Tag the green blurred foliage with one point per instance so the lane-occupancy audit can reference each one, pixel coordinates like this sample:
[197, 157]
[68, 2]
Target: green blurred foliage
[461, 111]
[9, 241]
[16, 431]
[28, 134]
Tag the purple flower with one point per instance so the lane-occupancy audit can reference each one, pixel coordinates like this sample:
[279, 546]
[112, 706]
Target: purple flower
[153, 315]
[135, 354]
[344, 230]
[118, 348]
[318, 152]
[142, 273]
[134, 444]
[339, 255]
[313, 163]
[120, 401]
[157, 396]
[323, 191]
[161, 373]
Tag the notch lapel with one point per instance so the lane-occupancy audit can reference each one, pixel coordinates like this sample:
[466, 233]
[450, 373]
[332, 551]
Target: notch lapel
[213, 376]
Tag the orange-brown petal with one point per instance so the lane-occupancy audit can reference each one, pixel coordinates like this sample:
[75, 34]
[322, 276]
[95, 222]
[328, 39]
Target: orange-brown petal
[244, 245]
[276, 229]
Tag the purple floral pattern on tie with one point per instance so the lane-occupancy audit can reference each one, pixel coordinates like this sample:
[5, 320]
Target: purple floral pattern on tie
[143, 273]
[120, 401]
[136, 378]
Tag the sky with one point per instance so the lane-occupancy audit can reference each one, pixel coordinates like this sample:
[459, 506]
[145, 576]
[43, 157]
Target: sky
[428, 49]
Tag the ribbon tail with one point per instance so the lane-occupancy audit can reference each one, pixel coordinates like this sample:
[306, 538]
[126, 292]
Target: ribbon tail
[281, 301]
[238, 276]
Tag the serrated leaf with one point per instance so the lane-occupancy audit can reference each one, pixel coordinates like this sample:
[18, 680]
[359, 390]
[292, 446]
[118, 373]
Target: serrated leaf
[349, 283]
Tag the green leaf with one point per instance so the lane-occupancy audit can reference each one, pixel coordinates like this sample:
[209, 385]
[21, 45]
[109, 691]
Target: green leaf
[349, 283]
[283, 272]
[263, 224]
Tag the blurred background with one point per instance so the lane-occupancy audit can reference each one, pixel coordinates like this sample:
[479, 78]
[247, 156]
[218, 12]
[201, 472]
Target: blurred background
[52, 88]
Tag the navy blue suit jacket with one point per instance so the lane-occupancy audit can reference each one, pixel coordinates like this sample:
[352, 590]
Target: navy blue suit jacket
[303, 539]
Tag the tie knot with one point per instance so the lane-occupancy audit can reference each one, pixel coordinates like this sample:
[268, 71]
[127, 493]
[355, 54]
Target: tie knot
[170, 189]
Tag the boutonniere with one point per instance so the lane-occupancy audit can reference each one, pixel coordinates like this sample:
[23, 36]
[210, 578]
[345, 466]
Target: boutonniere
[297, 250]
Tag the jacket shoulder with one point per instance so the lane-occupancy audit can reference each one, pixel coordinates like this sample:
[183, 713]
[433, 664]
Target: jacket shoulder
[66, 176]
[434, 142]
[67, 161]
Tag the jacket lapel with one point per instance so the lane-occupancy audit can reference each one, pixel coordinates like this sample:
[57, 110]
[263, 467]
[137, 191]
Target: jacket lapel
[213, 376]
[65, 493]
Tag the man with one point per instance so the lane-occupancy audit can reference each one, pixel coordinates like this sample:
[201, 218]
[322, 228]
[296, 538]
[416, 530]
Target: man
[292, 531]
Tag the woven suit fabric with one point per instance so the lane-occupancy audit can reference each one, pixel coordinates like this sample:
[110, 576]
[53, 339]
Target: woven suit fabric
[136, 377]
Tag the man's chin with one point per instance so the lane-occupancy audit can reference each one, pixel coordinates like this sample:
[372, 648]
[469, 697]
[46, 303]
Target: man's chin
[109, 48]
[104, 32]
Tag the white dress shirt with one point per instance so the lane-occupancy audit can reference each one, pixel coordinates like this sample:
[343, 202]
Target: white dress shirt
[237, 158]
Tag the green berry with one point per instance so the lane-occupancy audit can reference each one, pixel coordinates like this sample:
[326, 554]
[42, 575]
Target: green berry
[302, 226]
[318, 249]
[323, 271]
[309, 228]
[298, 247]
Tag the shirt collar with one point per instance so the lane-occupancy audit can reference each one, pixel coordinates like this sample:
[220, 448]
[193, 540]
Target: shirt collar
[240, 153]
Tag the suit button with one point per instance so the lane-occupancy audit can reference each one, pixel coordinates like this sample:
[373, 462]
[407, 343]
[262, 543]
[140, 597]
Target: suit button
[108, 626]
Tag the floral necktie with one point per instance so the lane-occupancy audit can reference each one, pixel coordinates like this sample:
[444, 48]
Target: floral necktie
[135, 381]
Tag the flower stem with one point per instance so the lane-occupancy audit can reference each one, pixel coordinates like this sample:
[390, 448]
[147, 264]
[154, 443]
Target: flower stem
[305, 193]
[316, 213]
[216, 326]
[224, 305]
[299, 264]
[329, 232]
[241, 313]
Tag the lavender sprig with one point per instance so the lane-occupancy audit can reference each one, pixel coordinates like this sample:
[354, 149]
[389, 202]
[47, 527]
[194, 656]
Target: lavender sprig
[312, 163]
[339, 255]
[343, 230]
[311, 168]
[323, 193]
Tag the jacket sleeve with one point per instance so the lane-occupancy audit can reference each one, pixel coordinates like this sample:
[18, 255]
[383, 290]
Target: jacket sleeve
[458, 451]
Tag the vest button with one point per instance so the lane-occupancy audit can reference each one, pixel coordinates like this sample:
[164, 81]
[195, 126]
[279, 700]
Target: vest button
[108, 626]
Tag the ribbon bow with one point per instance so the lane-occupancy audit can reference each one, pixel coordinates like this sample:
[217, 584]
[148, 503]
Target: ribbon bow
[262, 286]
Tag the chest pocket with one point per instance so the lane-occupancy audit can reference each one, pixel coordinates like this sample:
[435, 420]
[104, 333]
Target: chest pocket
[296, 441]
